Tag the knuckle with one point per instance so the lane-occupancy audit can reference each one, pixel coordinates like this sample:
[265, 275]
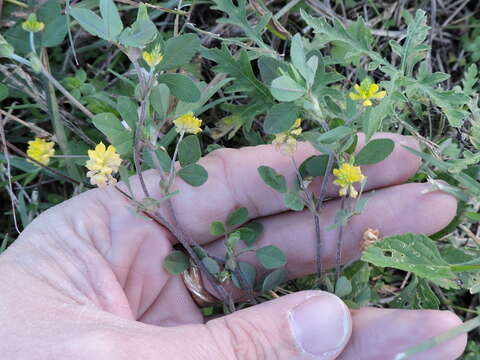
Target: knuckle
[242, 339]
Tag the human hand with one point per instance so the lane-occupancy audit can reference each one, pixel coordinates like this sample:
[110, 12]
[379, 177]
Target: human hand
[86, 279]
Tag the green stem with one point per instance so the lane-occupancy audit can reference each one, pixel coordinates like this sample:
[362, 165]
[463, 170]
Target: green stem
[434, 341]
[464, 268]
[65, 92]
[172, 167]
[31, 37]
[60, 131]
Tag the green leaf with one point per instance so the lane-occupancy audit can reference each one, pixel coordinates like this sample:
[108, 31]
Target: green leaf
[284, 88]
[470, 183]
[139, 34]
[355, 39]
[194, 174]
[181, 86]
[217, 228]
[271, 257]
[211, 265]
[54, 32]
[274, 279]
[329, 141]
[280, 118]
[374, 152]
[416, 295]
[297, 54]
[293, 201]
[251, 236]
[162, 156]
[176, 262]
[90, 21]
[111, 19]
[315, 165]
[237, 15]
[237, 217]
[249, 275]
[160, 99]
[127, 108]
[273, 179]
[3, 92]
[271, 68]
[189, 151]
[241, 70]
[6, 50]
[451, 102]
[343, 287]
[412, 252]
[179, 51]
[113, 129]
[414, 48]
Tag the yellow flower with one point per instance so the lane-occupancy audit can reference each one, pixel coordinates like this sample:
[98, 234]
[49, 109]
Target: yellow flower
[154, 57]
[346, 175]
[32, 25]
[188, 123]
[286, 142]
[103, 163]
[367, 91]
[40, 150]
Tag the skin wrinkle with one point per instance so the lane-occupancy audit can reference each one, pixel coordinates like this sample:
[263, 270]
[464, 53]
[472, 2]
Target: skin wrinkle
[80, 262]
[131, 271]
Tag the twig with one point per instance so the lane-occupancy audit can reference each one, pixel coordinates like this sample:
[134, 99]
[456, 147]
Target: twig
[13, 198]
[188, 243]
[338, 258]
[52, 170]
[38, 130]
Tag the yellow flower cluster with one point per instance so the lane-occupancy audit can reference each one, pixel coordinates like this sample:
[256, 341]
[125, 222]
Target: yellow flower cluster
[188, 123]
[367, 91]
[286, 142]
[346, 175]
[154, 57]
[40, 150]
[32, 25]
[103, 163]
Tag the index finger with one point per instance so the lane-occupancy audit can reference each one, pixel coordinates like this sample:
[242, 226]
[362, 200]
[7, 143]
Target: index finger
[234, 182]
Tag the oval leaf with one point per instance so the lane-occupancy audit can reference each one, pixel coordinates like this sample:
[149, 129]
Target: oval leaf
[181, 86]
[189, 151]
[237, 217]
[193, 174]
[273, 179]
[374, 152]
[280, 118]
[285, 88]
[176, 262]
[217, 228]
[274, 279]
[249, 274]
[271, 257]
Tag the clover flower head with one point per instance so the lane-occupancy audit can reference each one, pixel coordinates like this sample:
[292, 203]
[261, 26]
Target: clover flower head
[102, 164]
[154, 57]
[32, 25]
[40, 150]
[366, 91]
[286, 142]
[188, 123]
[346, 175]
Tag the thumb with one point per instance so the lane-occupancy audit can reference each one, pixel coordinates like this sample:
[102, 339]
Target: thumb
[304, 325]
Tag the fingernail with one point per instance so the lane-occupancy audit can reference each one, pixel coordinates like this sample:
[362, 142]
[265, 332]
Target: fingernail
[321, 326]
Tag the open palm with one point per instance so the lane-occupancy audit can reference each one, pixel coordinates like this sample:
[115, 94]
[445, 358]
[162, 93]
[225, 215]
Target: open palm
[86, 279]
